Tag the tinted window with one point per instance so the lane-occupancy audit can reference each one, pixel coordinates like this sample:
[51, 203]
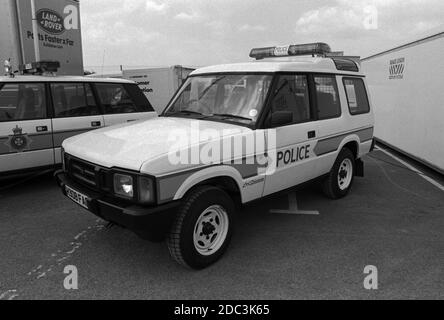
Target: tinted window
[292, 95]
[356, 96]
[73, 100]
[115, 98]
[141, 101]
[22, 101]
[327, 96]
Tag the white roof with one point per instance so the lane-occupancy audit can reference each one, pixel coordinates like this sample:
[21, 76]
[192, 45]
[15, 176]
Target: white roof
[280, 64]
[32, 78]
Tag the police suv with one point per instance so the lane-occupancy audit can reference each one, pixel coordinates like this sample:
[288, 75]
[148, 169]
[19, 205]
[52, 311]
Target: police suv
[231, 134]
[39, 110]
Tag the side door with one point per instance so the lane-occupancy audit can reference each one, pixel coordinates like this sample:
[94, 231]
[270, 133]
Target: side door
[294, 141]
[330, 124]
[25, 130]
[75, 111]
[123, 103]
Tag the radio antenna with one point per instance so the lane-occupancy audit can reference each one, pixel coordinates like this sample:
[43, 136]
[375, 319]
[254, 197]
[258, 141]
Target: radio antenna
[103, 62]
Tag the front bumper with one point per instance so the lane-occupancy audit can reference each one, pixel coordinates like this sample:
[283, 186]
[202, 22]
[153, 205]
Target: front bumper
[151, 223]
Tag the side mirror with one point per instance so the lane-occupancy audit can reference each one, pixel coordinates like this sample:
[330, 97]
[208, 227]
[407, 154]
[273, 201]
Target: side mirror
[281, 118]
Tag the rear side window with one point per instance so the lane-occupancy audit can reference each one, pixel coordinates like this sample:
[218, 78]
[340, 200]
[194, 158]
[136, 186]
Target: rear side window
[117, 98]
[356, 96]
[327, 97]
[22, 101]
[73, 100]
[141, 101]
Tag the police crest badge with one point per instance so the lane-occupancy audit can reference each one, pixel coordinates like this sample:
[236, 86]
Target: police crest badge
[19, 141]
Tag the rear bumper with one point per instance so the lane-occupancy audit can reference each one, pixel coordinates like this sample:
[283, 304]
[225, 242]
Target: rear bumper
[150, 223]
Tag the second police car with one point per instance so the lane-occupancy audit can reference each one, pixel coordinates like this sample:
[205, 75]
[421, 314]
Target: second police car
[38, 110]
[232, 134]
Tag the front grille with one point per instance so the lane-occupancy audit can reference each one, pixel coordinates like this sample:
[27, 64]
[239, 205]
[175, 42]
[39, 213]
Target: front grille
[83, 172]
[96, 178]
[88, 174]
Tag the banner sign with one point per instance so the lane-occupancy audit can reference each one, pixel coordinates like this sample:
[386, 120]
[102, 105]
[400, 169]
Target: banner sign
[59, 33]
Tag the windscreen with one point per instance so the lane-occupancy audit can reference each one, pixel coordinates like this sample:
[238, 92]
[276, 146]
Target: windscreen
[236, 97]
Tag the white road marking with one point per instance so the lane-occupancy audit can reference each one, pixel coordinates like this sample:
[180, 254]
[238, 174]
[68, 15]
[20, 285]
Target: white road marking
[9, 295]
[393, 182]
[57, 259]
[293, 207]
[409, 166]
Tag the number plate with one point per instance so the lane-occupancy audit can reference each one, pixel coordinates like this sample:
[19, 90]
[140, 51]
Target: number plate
[77, 197]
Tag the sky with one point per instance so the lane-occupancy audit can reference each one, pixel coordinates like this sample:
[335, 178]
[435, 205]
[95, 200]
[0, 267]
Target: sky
[206, 32]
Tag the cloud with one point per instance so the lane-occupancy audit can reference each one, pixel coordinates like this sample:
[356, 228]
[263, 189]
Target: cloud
[187, 16]
[337, 19]
[123, 35]
[140, 32]
[424, 26]
[365, 27]
[393, 17]
[248, 27]
[219, 27]
[152, 6]
[131, 6]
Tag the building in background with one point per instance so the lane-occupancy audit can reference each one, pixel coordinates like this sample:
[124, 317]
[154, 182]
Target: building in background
[406, 86]
[159, 84]
[59, 33]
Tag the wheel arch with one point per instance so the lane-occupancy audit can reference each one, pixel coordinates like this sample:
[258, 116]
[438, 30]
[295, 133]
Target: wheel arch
[227, 178]
[351, 143]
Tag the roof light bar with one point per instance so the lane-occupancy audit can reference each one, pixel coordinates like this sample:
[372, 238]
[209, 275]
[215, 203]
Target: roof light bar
[261, 53]
[318, 48]
[40, 67]
[8, 68]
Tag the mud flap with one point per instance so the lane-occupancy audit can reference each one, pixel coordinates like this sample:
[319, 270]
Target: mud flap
[359, 168]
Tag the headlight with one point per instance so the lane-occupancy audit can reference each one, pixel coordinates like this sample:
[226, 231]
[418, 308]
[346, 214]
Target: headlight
[146, 190]
[123, 185]
[137, 188]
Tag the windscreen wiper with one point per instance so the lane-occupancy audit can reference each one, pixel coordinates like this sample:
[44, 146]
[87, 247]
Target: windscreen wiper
[226, 115]
[210, 86]
[185, 112]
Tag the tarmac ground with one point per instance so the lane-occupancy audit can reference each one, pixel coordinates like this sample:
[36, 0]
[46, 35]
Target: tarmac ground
[393, 219]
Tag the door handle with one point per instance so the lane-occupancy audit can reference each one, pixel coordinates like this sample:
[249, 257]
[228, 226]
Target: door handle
[311, 134]
[96, 124]
[41, 129]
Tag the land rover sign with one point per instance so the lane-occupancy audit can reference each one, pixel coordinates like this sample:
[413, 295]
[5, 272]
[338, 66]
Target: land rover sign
[59, 33]
[50, 21]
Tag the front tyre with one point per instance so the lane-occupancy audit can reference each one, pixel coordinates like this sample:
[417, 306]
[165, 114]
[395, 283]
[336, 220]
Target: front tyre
[340, 179]
[202, 228]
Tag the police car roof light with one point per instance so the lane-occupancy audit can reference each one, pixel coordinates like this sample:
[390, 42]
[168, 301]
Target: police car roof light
[40, 67]
[318, 48]
[8, 68]
[261, 53]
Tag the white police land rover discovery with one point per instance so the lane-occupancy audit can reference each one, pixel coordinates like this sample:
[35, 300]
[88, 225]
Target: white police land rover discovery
[230, 135]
